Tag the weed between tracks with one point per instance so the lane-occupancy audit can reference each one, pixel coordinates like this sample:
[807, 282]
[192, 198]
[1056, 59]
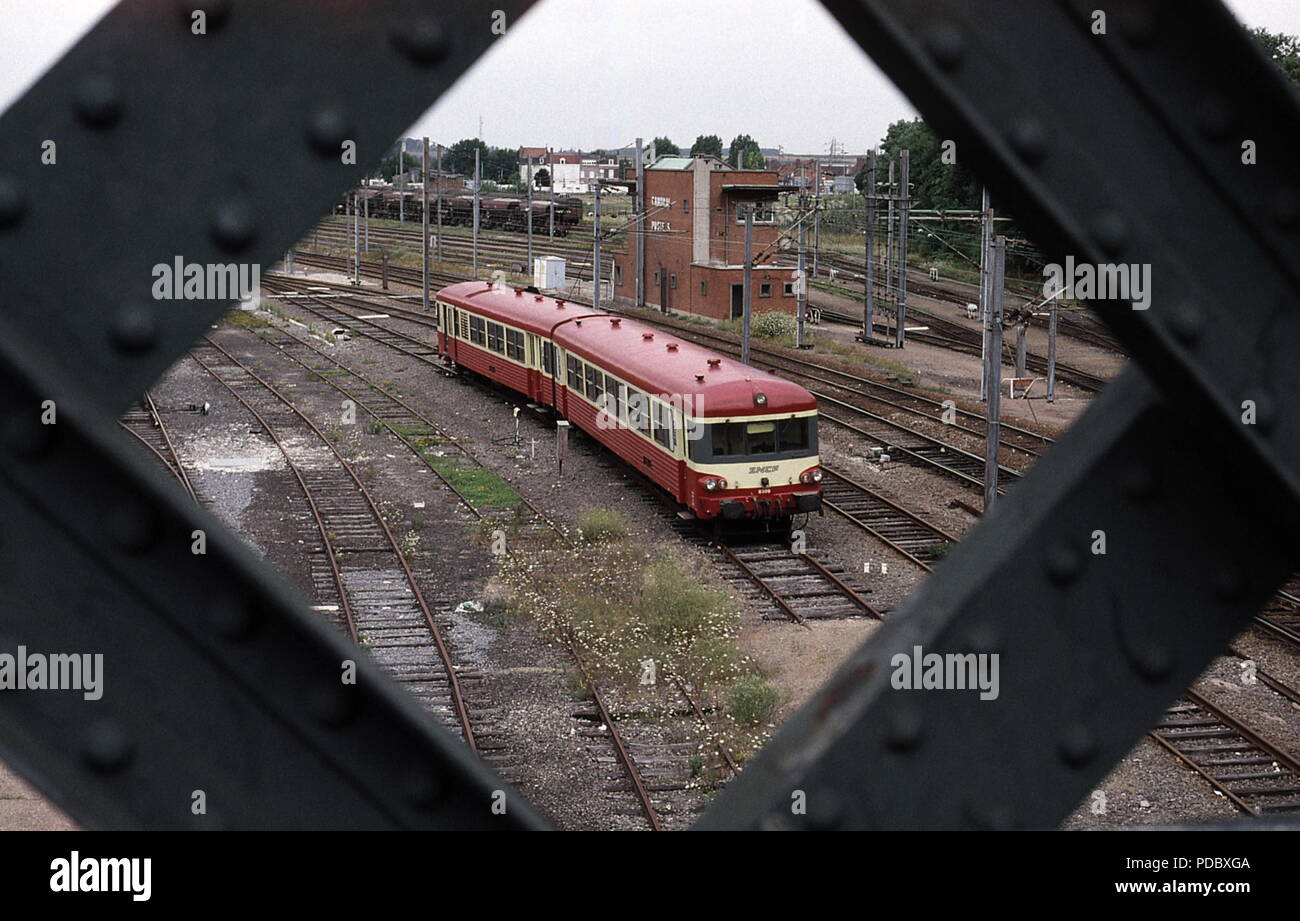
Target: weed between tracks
[480, 487]
[644, 621]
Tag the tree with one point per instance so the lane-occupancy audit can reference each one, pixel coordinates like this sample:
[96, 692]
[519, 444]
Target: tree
[502, 165]
[459, 158]
[542, 178]
[665, 148]
[1283, 50]
[744, 152]
[709, 144]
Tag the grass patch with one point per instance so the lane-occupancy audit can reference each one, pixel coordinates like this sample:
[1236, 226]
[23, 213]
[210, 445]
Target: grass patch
[246, 319]
[480, 487]
[752, 700]
[598, 525]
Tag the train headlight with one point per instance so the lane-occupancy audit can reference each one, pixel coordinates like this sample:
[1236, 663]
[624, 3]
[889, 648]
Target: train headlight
[714, 483]
[760, 399]
[811, 476]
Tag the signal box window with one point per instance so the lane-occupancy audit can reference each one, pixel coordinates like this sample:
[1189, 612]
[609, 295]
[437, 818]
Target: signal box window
[765, 289]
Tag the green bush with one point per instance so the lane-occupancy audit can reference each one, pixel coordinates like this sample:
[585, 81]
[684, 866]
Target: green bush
[772, 325]
[598, 525]
[752, 701]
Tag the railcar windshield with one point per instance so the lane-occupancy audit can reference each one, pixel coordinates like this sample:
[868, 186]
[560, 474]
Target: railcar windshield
[770, 439]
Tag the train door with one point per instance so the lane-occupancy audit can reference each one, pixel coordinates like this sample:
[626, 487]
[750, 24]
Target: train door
[532, 358]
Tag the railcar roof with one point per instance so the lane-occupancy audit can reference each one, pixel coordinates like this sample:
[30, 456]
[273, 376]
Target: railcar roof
[647, 357]
[658, 362]
[535, 313]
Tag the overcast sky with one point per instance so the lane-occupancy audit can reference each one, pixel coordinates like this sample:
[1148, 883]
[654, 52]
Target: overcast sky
[598, 73]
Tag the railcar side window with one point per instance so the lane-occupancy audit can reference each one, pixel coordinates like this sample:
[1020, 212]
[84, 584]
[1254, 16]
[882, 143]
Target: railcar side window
[495, 339]
[476, 330]
[595, 378]
[638, 415]
[514, 344]
[618, 400]
[574, 379]
[548, 358]
[665, 431]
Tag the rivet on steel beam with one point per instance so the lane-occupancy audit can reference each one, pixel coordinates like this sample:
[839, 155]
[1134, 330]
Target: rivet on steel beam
[990, 816]
[25, 435]
[131, 526]
[422, 788]
[1063, 564]
[233, 225]
[331, 705]
[905, 730]
[983, 638]
[946, 44]
[107, 748]
[98, 101]
[232, 617]
[1110, 230]
[1153, 661]
[1078, 746]
[1139, 483]
[1137, 23]
[1029, 138]
[327, 129]
[13, 201]
[423, 41]
[1185, 322]
[1286, 207]
[1228, 585]
[134, 329]
[826, 811]
[1213, 117]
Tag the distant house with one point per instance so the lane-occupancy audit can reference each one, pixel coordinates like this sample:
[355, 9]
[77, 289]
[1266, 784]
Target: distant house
[572, 172]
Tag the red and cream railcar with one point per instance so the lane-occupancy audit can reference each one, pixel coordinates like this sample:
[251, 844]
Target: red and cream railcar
[726, 440]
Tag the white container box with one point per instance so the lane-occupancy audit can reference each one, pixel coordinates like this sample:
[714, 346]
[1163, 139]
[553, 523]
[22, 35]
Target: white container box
[548, 273]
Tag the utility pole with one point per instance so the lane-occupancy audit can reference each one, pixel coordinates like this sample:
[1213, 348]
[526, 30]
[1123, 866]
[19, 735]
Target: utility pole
[986, 264]
[889, 236]
[640, 225]
[801, 303]
[478, 181]
[1021, 348]
[365, 203]
[550, 176]
[747, 301]
[356, 239]
[401, 182]
[438, 186]
[868, 298]
[904, 203]
[424, 226]
[992, 373]
[595, 244]
[817, 212]
[530, 216]
[1051, 349]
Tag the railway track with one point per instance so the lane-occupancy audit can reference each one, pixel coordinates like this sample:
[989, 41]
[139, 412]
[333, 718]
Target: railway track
[909, 534]
[415, 430]
[1281, 616]
[380, 602]
[1254, 775]
[145, 424]
[1082, 326]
